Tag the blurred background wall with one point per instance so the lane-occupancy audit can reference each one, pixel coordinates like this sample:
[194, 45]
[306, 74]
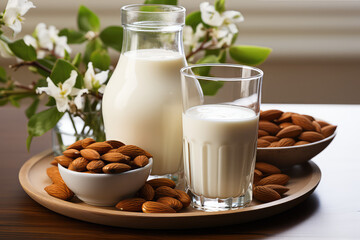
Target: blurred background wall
[316, 44]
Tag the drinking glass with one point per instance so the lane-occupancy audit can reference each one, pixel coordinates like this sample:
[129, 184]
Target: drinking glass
[221, 105]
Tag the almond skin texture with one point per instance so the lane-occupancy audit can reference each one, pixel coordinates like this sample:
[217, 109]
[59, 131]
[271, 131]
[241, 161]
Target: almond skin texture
[311, 118]
[285, 124]
[54, 174]
[133, 151]
[59, 191]
[285, 117]
[303, 122]
[290, 132]
[116, 168]
[86, 142]
[78, 165]
[328, 130]
[301, 143]
[262, 143]
[63, 160]
[100, 147]
[115, 157]
[265, 194]
[171, 202]
[115, 143]
[165, 191]
[285, 142]
[183, 198]
[262, 133]
[141, 161]
[280, 179]
[76, 145]
[267, 168]
[257, 176]
[269, 127]
[278, 188]
[54, 162]
[159, 182]
[147, 192]
[270, 138]
[274, 144]
[95, 166]
[270, 115]
[131, 204]
[311, 136]
[156, 207]
[317, 126]
[72, 153]
[322, 123]
[90, 154]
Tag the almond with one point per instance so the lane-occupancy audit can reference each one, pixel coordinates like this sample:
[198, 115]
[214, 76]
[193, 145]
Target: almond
[165, 191]
[265, 194]
[90, 154]
[115, 143]
[278, 188]
[311, 136]
[322, 123]
[156, 207]
[54, 162]
[78, 165]
[285, 117]
[141, 161]
[301, 143]
[285, 142]
[270, 138]
[270, 115]
[59, 191]
[159, 182]
[266, 168]
[262, 133]
[183, 198]
[54, 174]
[147, 192]
[274, 144]
[95, 166]
[76, 145]
[285, 124]
[289, 132]
[262, 143]
[257, 176]
[116, 168]
[280, 179]
[86, 142]
[317, 126]
[303, 122]
[133, 151]
[311, 118]
[115, 157]
[72, 153]
[100, 147]
[269, 127]
[131, 204]
[63, 160]
[171, 202]
[328, 130]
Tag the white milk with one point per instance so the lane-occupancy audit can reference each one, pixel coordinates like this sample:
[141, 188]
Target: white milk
[142, 105]
[219, 149]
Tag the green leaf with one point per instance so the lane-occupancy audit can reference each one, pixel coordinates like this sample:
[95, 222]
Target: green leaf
[73, 36]
[100, 59]
[166, 2]
[3, 101]
[193, 19]
[204, 71]
[112, 36]
[61, 72]
[91, 46]
[249, 55]
[51, 102]
[46, 63]
[42, 122]
[41, 83]
[14, 99]
[23, 51]
[220, 5]
[87, 20]
[210, 88]
[2, 75]
[76, 60]
[31, 110]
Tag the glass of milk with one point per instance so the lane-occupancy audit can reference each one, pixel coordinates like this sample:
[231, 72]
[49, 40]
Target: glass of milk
[221, 104]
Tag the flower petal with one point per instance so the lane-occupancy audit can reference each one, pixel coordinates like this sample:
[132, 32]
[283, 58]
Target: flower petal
[69, 83]
[30, 41]
[102, 76]
[89, 76]
[5, 50]
[210, 16]
[62, 104]
[53, 90]
[102, 89]
[24, 6]
[233, 16]
[79, 100]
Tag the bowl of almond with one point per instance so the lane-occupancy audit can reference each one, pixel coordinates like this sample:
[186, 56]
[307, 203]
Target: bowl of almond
[103, 173]
[286, 138]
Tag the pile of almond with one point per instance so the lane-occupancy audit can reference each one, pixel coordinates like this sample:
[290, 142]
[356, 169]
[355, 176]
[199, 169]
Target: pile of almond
[282, 129]
[156, 196]
[269, 182]
[58, 188]
[102, 157]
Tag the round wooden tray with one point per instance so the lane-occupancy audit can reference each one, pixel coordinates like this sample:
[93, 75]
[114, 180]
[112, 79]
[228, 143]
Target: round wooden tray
[33, 178]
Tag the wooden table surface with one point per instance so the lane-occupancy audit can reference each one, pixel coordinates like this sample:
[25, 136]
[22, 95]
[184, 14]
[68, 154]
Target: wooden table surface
[331, 212]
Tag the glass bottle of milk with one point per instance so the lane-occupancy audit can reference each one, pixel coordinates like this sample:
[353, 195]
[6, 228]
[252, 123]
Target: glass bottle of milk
[142, 101]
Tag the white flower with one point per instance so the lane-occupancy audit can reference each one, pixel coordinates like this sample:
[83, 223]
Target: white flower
[95, 81]
[63, 91]
[61, 46]
[14, 12]
[188, 34]
[5, 50]
[213, 18]
[31, 41]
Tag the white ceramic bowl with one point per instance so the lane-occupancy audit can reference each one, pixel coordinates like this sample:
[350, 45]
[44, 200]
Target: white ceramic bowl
[285, 157]
[105, 189]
